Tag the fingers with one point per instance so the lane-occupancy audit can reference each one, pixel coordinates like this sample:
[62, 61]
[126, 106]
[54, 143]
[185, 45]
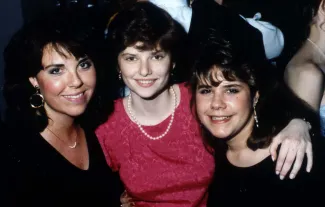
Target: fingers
[298, 162]
[281, 158]
[274, 146]
[309, 153]
[126, 200]
[128, 204]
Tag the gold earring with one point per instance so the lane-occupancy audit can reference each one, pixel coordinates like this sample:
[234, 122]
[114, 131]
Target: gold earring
[255, 116]
[36, 100]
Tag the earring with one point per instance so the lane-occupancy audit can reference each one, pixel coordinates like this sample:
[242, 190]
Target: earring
[120, 75]
[36, 100]
[255, 116]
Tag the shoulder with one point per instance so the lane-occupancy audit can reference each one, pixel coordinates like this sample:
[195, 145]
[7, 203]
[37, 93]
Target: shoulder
[114, 122]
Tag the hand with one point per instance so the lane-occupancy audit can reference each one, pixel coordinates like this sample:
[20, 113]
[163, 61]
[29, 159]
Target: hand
[126, 200]
[296, 142]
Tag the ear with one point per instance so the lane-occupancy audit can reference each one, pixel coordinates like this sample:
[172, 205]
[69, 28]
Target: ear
[33, 81]
[256, 97]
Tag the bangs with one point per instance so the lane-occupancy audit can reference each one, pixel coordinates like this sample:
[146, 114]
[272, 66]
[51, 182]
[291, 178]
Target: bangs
[66, 49]
[215, 75]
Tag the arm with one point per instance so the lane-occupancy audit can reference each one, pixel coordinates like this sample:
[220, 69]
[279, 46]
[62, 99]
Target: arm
[307, 82]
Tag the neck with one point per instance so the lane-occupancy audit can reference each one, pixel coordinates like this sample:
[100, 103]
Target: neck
[239, 141]
[62, 124]
[239, 154]
[148, 107]
[317, 36]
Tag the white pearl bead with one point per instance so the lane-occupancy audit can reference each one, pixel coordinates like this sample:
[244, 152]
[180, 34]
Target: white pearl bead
[139, 125]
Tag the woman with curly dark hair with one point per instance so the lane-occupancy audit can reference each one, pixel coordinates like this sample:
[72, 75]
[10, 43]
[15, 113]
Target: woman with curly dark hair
[55, 159]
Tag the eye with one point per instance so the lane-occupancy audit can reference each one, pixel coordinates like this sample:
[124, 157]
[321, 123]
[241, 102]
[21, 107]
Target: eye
[86, 64]
[232, 90]
[158, 57]
[55, 71]
[204, 91]
[130, 58]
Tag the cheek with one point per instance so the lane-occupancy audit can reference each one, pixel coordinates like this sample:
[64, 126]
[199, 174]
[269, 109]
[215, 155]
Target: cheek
[202, 105]
[128, 69]
[240, 103]
[89, 78]
[161, 68]
[53, 87]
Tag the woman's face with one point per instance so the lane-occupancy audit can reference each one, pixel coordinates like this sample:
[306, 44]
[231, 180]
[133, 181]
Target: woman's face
[66, 83]
[226, 109]
[145, 73]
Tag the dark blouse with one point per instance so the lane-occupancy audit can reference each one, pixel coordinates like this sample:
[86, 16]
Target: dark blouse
[258, 185]
[38, 175]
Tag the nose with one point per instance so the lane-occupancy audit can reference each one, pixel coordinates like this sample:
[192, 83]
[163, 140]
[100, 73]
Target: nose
[145, 68]
[75, 80]
[217, 102]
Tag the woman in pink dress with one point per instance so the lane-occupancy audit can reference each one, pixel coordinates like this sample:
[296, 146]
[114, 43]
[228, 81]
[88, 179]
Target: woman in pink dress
[152, 139]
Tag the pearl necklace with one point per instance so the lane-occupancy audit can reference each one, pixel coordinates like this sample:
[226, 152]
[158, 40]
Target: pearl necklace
[70, 146]
[139, 125]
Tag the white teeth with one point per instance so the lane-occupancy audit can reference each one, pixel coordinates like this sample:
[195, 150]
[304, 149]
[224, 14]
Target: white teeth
[145, 81]
[74, 97]
[219, 117]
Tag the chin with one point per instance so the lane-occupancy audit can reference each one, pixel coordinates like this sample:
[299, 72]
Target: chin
[220, 134]
[76, 112]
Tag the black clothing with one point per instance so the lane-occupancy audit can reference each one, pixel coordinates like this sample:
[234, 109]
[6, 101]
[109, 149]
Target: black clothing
[258, 185]
[38, 175]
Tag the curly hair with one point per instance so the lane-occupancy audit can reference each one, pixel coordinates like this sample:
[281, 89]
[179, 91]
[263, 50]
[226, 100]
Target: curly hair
[63, 31]
[277, 104]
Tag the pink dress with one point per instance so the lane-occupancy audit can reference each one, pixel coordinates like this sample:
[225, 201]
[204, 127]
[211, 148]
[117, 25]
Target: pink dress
[174, 171]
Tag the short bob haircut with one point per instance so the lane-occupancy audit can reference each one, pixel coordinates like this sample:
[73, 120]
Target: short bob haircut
[277, 105]
[146, 23]
[65, 31]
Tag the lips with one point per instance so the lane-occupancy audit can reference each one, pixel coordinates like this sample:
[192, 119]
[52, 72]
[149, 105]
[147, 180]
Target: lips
[76, 98]
[220, 119]
[145, 82]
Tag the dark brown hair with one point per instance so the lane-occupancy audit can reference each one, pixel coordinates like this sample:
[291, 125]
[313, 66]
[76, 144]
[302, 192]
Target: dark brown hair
[277, 104]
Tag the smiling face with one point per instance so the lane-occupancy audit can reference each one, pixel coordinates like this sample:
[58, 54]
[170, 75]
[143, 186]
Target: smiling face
[225, 109]
[147, 72]
[66, 83]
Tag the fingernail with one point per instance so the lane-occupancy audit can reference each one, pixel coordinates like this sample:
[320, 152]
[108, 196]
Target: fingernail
[308, 170]
[272, 158]
[281, 177]
[277, 172]
[292, 176]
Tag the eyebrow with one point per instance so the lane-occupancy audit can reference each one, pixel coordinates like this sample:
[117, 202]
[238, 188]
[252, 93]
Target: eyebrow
[204, 86]
[232, 85]
[124, 54]
[157, 51]
[83, 59]
[53, 65]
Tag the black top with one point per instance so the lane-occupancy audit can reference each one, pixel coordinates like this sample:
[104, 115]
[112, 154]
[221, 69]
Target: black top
[40, 176]
[258, 185]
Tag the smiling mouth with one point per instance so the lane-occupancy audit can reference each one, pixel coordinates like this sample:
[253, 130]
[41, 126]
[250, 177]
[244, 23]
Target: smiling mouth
[219, 118]
[146, 83]
[76, 98]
